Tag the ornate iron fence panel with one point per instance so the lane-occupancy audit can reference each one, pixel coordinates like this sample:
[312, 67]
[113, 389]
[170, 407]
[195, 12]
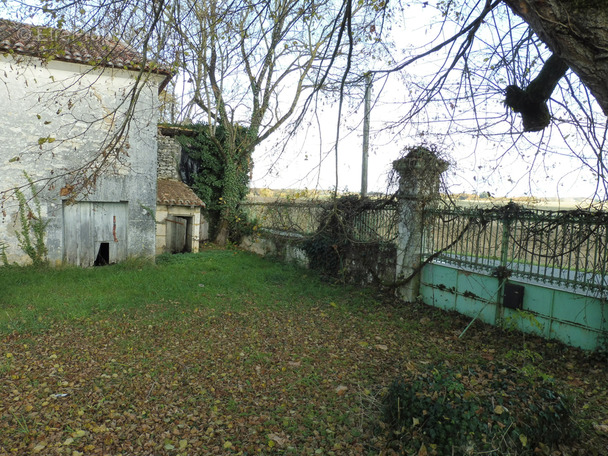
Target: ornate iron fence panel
[567, 248]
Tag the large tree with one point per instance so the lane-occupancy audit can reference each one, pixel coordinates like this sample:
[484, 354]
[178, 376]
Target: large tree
[528, 76]
[239, 63]
[248, 63]
[577, 32]
[256, 62]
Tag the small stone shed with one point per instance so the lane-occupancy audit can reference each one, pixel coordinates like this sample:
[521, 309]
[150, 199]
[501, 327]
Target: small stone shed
[180, 223]
[178, 217]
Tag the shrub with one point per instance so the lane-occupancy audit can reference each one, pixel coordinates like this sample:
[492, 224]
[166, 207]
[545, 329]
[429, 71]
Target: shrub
[453, 411]
[347, 236]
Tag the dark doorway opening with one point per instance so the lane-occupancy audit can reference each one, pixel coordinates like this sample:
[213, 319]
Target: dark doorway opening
[103, 255]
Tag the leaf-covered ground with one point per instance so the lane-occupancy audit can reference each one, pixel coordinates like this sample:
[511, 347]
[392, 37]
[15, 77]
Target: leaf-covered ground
[299, 376]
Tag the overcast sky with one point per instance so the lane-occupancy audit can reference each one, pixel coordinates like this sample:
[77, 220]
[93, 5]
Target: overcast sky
[477, 165]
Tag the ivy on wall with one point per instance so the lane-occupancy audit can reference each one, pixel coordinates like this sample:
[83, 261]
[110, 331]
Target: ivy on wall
[218, 175]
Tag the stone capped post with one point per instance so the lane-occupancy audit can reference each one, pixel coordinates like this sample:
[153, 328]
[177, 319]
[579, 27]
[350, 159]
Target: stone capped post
[419, 177]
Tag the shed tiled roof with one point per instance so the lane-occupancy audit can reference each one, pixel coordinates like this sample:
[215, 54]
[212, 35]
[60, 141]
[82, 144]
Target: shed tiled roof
[176, 193]
[56, 44]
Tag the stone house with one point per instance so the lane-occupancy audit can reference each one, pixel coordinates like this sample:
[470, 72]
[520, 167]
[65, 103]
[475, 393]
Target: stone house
[180, 225]
[79, 116]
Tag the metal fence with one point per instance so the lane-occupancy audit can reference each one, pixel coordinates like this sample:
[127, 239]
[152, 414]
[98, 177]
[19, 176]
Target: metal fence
[289, 216]
[564, 248]
[567, 248]
[376, 225]
[305, 217]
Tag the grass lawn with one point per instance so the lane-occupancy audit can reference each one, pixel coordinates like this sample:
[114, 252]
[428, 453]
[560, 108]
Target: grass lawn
[223, 352]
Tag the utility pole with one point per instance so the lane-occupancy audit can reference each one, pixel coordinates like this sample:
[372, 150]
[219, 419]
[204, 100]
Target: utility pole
[368, 95]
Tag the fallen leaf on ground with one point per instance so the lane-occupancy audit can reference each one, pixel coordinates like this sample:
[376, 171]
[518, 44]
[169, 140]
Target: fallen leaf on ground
[278, 439]
[601, 428]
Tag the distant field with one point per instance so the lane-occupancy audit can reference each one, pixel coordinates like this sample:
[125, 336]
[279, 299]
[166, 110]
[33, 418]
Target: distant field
[266, 195]
[546, 204]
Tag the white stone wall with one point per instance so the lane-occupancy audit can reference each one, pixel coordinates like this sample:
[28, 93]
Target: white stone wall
[161, 228]
[288, 248]
[54, 119]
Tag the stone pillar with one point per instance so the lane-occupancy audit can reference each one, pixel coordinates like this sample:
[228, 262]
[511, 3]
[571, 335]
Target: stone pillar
[419, 177]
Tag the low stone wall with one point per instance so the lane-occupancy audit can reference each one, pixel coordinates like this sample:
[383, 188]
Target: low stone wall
[366, 264]
[548, 311]
[371, 263]
[285, 246]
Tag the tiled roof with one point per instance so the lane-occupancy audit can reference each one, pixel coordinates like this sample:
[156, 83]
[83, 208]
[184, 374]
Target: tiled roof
[47, 42]
[176, 193]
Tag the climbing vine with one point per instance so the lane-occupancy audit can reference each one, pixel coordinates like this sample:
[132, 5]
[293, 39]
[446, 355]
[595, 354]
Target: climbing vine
[3, 256]
[218, 172]
[33, 228]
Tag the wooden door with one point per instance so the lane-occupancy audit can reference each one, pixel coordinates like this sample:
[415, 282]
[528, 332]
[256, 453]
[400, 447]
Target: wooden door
[88, 225]
[177, 231]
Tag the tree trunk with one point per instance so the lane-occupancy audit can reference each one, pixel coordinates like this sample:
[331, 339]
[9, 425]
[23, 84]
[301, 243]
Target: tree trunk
[230, 199]
[223, 231]
[577, 31]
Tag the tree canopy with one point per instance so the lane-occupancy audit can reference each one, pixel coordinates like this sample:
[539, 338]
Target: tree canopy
[528, 76]
[503, 70]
